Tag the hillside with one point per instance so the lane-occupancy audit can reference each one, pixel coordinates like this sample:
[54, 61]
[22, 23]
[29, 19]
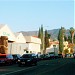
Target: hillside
[54, 33]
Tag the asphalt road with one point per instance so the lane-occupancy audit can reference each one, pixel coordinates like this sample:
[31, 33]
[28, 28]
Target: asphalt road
[46, 67]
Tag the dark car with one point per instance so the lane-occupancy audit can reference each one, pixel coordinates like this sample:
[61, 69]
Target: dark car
[6, 59]
[44, 57]
[16, 57]
[27, 59]
[60, 56]
[74, 55]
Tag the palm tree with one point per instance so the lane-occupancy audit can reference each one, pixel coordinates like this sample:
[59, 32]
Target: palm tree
[72, 30]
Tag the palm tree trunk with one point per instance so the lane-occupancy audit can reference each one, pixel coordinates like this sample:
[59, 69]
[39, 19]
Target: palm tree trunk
[72, 37]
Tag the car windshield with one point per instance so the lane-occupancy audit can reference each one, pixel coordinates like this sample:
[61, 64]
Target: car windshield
[18, 55]
[14, 56]
[26, 56]
[9, 56]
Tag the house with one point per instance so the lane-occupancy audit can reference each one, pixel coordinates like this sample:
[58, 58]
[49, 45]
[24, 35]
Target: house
[53, 48]
[19, 38]
[18, 46]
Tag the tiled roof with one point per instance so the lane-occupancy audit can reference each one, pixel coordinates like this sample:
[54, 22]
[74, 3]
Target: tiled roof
[35, 36]
[54, 42]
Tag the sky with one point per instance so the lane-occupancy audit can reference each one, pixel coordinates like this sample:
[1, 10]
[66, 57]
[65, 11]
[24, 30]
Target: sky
[29, 15]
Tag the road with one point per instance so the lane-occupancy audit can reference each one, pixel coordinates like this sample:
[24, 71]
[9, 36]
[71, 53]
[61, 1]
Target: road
[46, 67]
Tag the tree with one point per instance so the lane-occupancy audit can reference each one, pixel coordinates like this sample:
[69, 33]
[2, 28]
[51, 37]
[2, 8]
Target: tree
[65, 38]
[47, 37]
[61, 39]
[39, 33]
[71, 46]
[66, 51]
[74, 39]
[41, 36]
[69, 39]
[72, 30]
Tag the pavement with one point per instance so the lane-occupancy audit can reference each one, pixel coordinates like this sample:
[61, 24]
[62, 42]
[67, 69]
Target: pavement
[64, 66]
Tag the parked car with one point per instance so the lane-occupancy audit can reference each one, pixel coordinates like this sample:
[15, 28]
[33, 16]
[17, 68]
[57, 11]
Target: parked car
[44, 57]
[6, 59]
[27, 59]
[51, 55]
[74, 55]
[60, 56]
[16, 57]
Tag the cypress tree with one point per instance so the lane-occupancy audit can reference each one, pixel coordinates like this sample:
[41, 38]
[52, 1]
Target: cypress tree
[41, 36]
[47, 36]
[61, 39]
[39, 33]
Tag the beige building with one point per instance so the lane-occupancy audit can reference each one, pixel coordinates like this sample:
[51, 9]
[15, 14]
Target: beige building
[5, 31]
[19, 44]
[6, 36]
[54, 47]
[20, 38]
[33, 44]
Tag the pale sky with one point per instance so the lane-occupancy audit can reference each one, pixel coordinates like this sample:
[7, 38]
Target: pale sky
[28, 15]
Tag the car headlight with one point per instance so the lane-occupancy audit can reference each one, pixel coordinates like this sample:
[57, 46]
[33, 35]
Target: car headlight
[28, 60]
[18, 60]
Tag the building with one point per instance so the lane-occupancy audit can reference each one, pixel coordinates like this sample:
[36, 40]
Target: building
[18, 46]
[33, 44]
[16, 43]
[6, 36]
[54, 47]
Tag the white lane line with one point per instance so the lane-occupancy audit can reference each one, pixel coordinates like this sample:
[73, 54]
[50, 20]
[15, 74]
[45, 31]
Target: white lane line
[17, 71]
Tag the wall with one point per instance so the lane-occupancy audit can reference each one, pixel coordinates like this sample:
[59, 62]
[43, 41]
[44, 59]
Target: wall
[51, 48]
[16, 48]
[35, 48]
[20, 38]
[32, 39]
